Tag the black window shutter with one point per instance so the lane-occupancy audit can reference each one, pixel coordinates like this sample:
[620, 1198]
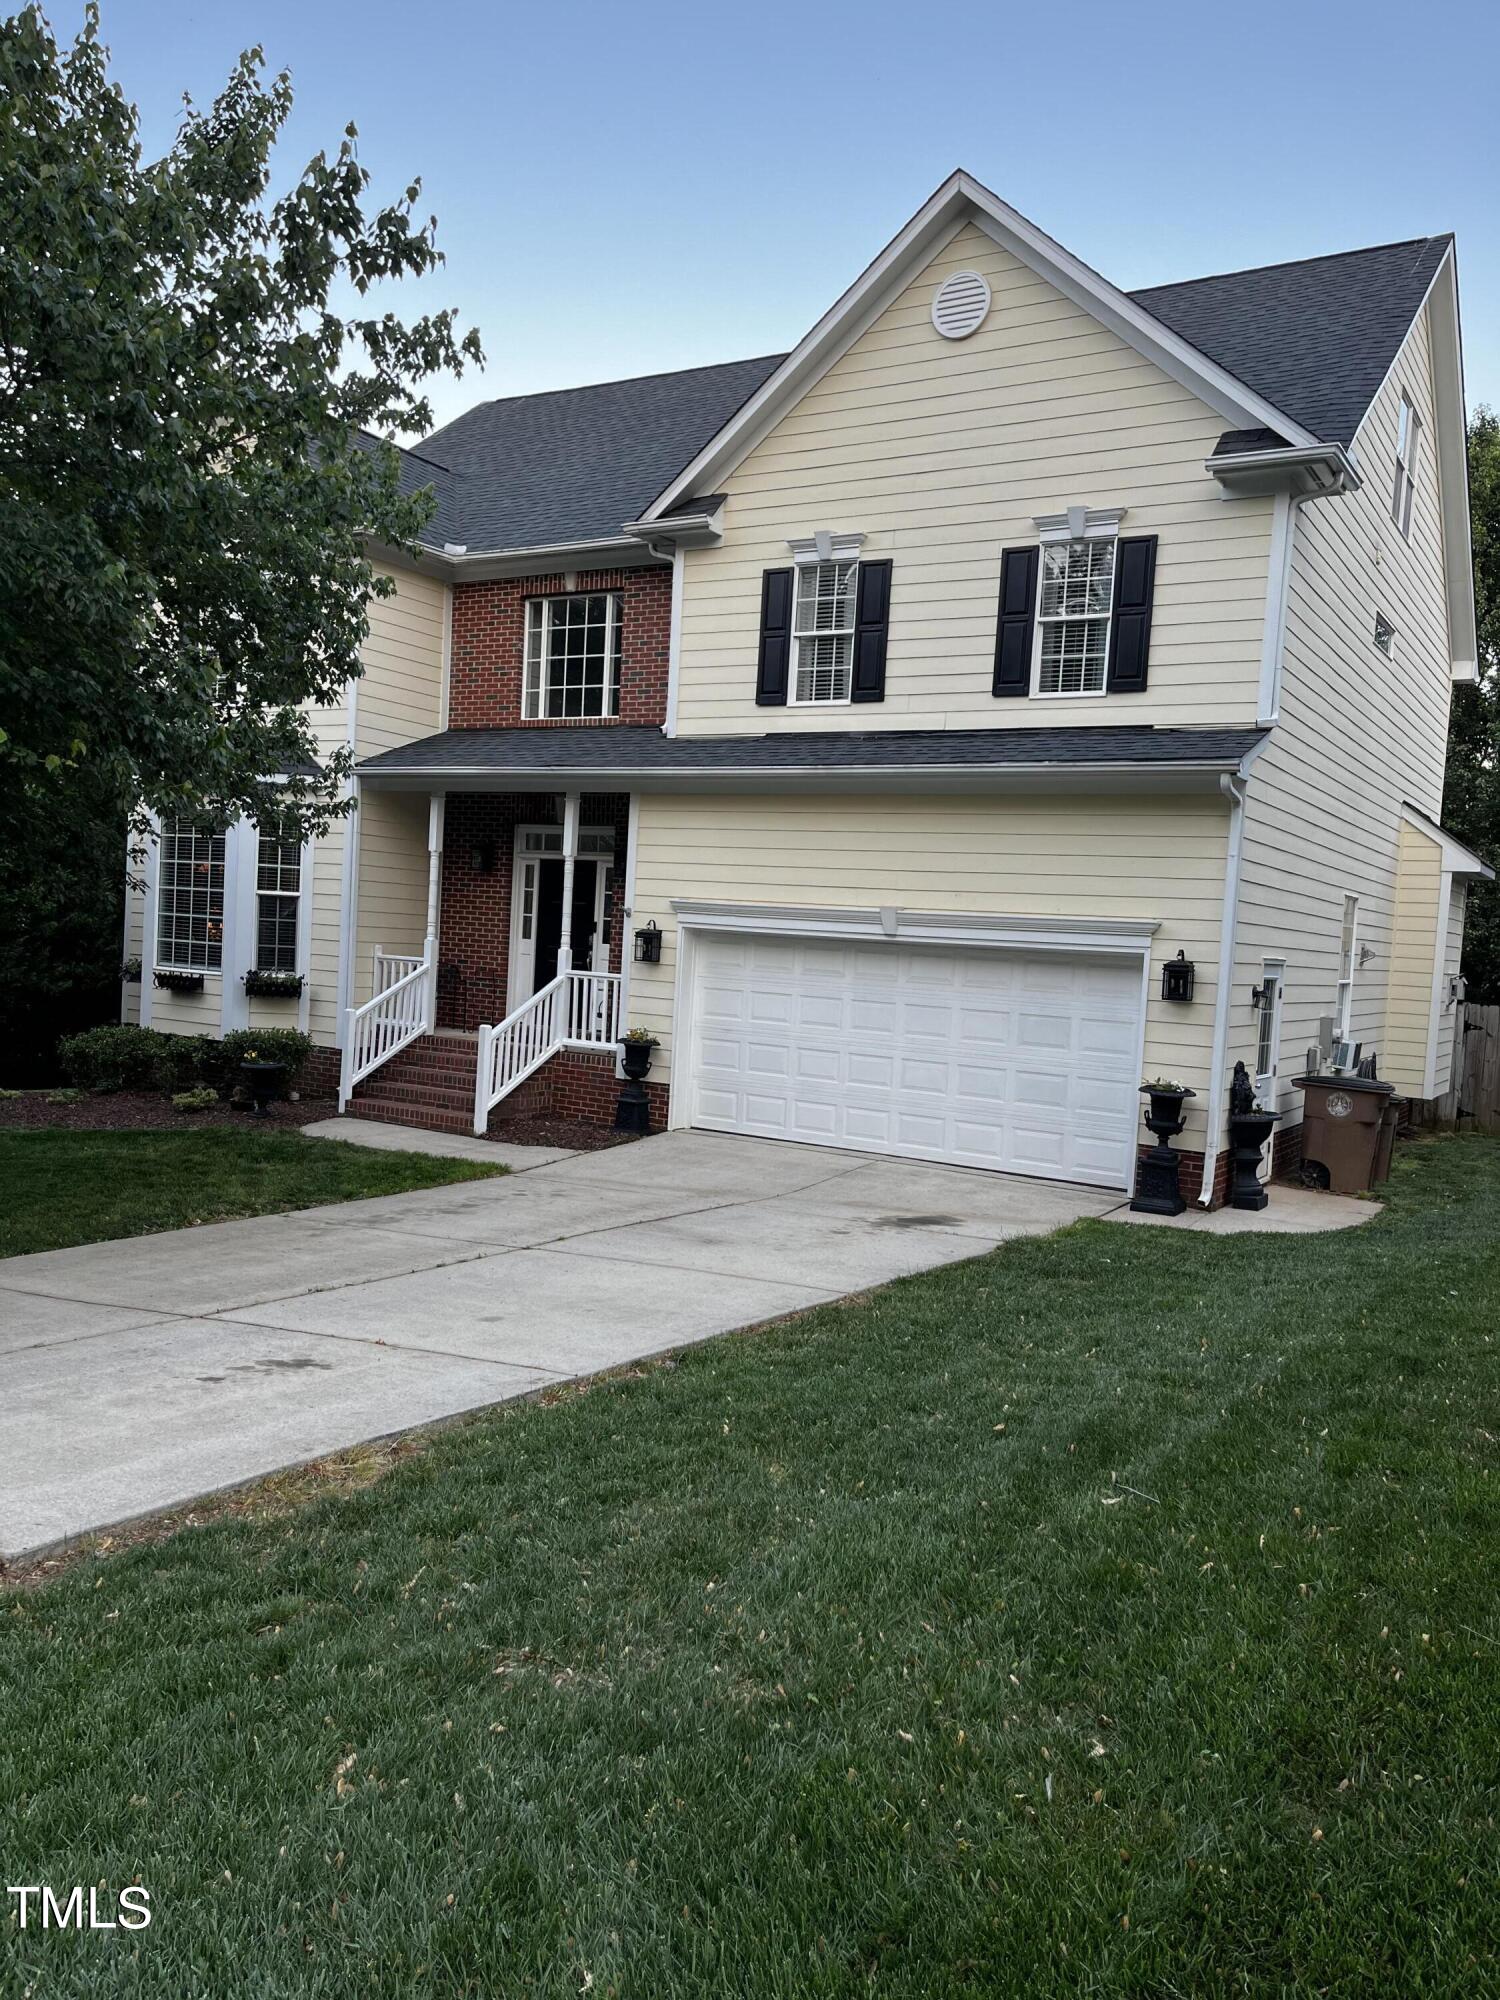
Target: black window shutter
[1130, 626]
[775, 638]
[872, 617]
[1018, 575]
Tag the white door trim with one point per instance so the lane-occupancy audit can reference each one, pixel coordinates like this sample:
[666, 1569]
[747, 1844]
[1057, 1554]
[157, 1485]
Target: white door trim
[521, 957]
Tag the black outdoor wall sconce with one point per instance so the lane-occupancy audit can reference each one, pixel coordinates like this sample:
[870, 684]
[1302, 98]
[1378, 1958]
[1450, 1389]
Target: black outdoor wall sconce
[1258, 997]
[648, 945]
[1177, 977]
[484, 858]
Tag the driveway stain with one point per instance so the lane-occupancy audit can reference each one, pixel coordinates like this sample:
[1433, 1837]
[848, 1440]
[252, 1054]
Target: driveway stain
[915, 1221]
[270, 1365]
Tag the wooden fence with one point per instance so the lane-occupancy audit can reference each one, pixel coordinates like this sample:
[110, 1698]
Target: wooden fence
[1473, 1102]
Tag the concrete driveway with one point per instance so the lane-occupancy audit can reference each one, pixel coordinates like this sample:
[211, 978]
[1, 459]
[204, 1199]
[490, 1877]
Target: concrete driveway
[141, 1374]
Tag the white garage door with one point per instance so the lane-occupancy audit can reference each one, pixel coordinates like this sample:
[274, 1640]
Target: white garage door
[1016, 1060]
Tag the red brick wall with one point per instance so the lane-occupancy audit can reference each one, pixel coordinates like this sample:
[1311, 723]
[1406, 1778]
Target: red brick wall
[474, 925]
[1190, 1177]
[489, 638]
[580, 1086]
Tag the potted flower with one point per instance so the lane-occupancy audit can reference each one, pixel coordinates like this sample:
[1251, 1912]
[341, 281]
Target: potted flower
[1158, 1189]
[633, 1112]
[262, 1079]
[171, 981]
[130, 972]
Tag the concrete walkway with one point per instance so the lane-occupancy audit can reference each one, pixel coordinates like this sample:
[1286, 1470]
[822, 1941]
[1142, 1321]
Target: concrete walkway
[386, 1138]
[138, 1375]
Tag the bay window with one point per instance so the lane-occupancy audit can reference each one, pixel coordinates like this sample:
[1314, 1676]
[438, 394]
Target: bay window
[190, 897]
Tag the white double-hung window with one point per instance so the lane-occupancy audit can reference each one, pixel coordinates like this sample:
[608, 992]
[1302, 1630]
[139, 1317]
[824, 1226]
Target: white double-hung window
[1075, 601]
[1408, 442]
[572, 656]
[278, 900]
[190, 897]
[823, 608]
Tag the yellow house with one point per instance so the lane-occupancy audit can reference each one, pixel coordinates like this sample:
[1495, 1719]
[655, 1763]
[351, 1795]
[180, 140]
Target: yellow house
[1019, 690]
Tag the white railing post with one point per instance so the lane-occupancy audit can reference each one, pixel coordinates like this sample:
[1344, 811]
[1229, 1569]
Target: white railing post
[346, 1062]
[576, 1009]
[429, 959]
[483, 1080]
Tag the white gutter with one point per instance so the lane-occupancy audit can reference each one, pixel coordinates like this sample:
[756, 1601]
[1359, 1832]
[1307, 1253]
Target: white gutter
[1323, 469]
[1232, 784]
[554, 773]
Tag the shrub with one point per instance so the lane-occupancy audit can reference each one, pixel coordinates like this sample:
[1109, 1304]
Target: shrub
[66, 1096]
[204, 1098]
[185, 1062]
[114, 1057]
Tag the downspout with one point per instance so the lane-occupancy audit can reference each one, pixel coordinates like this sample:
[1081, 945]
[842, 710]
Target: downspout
[673, 554]
[1232, 785]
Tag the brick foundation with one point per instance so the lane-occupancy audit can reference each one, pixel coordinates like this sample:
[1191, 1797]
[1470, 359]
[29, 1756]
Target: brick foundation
[319, 1076]
[1190, 1178]
[489, 642]
[580, 1086]
[474, 941]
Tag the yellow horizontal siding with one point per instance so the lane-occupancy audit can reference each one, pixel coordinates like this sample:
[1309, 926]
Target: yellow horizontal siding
[940, 453]
[1080, 857]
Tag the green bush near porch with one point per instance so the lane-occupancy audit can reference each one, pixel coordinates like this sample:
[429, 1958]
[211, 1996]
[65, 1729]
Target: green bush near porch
[120, 1057]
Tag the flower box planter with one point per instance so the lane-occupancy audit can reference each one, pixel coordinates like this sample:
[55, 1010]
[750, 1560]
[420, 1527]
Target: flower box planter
[1158, 1189]
[633, 1112]
[179, 982]
[274, 985]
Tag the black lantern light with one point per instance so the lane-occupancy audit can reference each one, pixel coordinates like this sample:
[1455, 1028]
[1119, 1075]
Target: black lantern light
[1177, 977]
[485, 856]
[648, 945]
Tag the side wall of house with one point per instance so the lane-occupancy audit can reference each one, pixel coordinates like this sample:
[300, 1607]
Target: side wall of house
[1358, 734]
[940, 453]
[1414, 943]
[1448, 1005]
[400, 696]
[1078, 857]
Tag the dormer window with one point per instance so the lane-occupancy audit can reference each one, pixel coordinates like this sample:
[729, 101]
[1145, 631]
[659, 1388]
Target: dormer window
[1408, 443]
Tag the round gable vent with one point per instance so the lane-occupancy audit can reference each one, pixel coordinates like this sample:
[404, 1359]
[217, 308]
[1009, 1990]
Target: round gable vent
[960, 305]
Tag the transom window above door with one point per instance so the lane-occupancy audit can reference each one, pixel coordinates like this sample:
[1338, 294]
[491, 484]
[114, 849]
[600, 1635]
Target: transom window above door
[572, 656]
[1073, 611]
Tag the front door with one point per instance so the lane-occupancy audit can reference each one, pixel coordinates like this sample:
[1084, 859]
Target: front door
[537, 913]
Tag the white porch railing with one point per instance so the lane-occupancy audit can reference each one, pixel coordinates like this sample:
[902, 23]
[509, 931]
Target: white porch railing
[399, 1010]
[576, 1010]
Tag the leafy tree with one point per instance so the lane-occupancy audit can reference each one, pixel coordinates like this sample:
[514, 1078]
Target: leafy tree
[1471, 798]
[184, 483]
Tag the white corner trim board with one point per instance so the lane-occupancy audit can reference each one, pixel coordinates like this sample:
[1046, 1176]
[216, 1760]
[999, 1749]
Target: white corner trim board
[1041, 933]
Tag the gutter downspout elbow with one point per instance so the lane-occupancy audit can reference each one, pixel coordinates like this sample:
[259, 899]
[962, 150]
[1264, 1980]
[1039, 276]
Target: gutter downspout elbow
[1232, 785]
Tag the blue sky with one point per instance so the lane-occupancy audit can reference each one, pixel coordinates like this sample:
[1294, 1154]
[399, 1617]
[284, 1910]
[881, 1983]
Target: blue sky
[626, 189]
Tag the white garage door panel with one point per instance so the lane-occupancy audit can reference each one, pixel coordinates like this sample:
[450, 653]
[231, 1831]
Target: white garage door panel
[1022, 1061]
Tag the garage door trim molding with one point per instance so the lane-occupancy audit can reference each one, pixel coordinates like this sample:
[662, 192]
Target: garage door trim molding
[1027, 933]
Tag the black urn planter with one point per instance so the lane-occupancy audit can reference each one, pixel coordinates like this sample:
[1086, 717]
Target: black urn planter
[633, 1112]
[263, 1080]
[1249, 1129]
[1158, 1188]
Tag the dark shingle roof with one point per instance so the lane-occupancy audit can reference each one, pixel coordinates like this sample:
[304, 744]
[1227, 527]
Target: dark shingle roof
[1315, 338]
[573, 465]
[598, 752]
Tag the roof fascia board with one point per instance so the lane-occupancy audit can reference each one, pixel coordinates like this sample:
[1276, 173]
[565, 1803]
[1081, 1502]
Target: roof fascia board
[610, 552]
[1453, 470]
[1310, 471]
[961, 199]
[1090, 778]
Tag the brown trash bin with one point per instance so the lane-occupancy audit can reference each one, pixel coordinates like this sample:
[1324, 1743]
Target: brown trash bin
[1342, 1124]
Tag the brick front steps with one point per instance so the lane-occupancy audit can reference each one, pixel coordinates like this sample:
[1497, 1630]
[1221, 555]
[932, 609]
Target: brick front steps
[429, 1085]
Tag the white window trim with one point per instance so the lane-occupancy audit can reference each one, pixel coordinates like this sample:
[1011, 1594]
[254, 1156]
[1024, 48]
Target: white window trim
[1343, 1005]
[1267, 1080]
[160, 964]
[823, 547]
[1387, 652]
[1404, 485]
[1075, 524]
[280, 895]
[610, 712]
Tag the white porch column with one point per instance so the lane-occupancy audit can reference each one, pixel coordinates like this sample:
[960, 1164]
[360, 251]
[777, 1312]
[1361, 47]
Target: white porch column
[435, 806]
[569, 856]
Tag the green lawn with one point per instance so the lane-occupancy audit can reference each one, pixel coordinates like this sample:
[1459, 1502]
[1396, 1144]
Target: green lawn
[58, 1188]
[845, 1658]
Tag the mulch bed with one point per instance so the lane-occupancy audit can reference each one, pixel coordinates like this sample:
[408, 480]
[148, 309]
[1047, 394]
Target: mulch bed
[557, 1132]
[146, 1111]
